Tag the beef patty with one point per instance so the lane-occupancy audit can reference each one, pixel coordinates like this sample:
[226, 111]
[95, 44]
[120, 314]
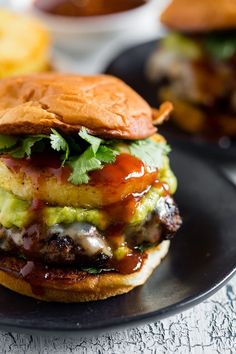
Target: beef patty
[82, 243]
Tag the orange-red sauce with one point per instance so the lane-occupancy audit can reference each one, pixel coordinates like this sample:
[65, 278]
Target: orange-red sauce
[162, 186]
[126, 176]
[124, 168]
[38, 166]
[28, 273]
[83, 8]
[131, 263]
[37, 274]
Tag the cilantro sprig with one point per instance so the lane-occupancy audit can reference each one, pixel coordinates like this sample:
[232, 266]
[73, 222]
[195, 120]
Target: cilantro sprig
[92, 140]
[149, 151]
[220, 46]
[7, 142]
[25, 146]
[58, 143]
[145, 246]
[93, 158]
[93, 270]
[82, 165]
[83, 153]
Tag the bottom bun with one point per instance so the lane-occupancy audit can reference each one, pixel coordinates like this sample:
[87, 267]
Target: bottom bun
[61, 286]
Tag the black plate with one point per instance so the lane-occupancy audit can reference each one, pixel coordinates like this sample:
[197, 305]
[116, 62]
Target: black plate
[202, 257]
[130, 67]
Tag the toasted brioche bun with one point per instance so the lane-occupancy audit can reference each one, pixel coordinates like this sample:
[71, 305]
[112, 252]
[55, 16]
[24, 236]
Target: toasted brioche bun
[24, 45]
[103, 104]
[200, 15]
[82, 286]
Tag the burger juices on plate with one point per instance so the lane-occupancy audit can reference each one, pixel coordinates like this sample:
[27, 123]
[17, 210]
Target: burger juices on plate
[85, 187]
[195, 65]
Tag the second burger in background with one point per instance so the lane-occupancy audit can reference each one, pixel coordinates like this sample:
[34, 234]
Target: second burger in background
[195, 66]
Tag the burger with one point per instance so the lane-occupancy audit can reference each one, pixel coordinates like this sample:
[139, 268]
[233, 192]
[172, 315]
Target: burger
[86, 188]
[195, 66]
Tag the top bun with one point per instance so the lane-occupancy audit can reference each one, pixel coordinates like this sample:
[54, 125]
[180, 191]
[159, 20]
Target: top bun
[200, 15]
[103, 104]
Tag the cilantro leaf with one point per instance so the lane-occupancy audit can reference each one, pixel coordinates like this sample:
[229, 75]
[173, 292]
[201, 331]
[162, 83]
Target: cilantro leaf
[145, 246]
[93, 270]
[149, 151]
[106, 154]
[26, 146]
[82, 165]
[220, 46]
[92, 140]
[91, 159]
[58, 143]
[7, 142]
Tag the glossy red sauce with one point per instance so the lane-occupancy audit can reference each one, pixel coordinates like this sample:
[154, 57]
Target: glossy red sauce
[36, 274]
[162, 186]
[131, 263]
[37, 205]
[123, 211]
[38, 167]
[125, 167]
[126, 176]
[86, 7]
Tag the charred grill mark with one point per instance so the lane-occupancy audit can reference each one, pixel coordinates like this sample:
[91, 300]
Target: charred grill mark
[167, 213]
[161, 224]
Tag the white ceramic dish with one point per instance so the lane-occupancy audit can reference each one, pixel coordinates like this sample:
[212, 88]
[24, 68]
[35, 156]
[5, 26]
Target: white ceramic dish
[89, 34]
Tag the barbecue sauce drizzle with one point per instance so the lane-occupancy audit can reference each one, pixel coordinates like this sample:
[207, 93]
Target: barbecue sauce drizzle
[125, 168]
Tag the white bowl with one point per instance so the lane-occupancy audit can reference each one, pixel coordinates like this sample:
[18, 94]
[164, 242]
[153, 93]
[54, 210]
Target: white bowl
[90, 33]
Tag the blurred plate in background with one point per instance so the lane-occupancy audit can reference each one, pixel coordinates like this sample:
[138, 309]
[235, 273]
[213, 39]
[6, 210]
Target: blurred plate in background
[130, 67]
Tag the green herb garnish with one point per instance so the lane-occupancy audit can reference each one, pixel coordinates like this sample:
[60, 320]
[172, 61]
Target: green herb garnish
[58, 143]
[26, 145]
[221, 46]
[93, 158]
[149, 151]
[83, 153]
[92, 270]
[145, 246]
[82, 165]
[7, 142]
[92, 140]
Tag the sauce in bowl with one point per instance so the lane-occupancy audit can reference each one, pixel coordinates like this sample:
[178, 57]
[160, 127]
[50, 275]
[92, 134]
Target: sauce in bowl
[84, 8]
